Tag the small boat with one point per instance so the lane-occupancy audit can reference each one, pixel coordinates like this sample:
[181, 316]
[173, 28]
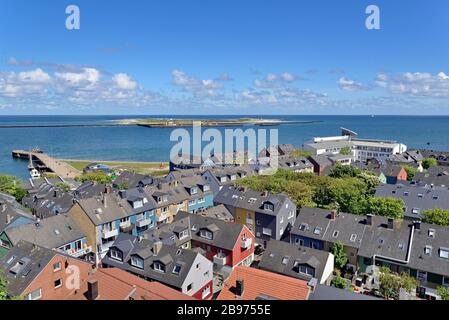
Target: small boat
[35, 174]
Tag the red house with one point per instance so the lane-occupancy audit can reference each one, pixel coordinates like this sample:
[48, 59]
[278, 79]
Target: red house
[224, 243]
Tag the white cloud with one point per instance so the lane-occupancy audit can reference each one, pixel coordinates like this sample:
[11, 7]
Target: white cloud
[34, 76]
[123, 81]
[199, 88]
[272, 80]
[419, 84]
[350, 85]
[88, 77]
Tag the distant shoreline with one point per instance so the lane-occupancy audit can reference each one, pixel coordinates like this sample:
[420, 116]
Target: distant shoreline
[167, 123]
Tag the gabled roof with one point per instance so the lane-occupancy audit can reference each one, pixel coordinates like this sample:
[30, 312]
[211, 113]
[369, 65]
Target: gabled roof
[168, 254]
[281, 257]
[12, 213]
[260, 284]
[316, 223]
[23, 263]
[106, 208]
[217, 212]
[117, 284]
[50, 233]
[132, 180]
[250, 199]
[225, 234]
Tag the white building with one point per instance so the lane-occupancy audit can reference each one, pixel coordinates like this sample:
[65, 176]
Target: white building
[361, 149]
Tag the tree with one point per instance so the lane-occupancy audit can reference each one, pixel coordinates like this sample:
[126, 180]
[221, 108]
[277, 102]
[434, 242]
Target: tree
[63, 186]
[3, 288]
[13, 186]
[341, 171]
[429, 162]
[346, 151]
[436, 216]
[391, 283]
[300, 193]
[340, 257]
[339, 282]
[387, 207]
[411, 171]
[443, 292]
[301, 153]
[99, 177]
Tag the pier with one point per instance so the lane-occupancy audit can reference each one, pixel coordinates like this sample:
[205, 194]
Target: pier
[53, 165]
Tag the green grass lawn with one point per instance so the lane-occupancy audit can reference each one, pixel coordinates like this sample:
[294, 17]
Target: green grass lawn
[150, 168]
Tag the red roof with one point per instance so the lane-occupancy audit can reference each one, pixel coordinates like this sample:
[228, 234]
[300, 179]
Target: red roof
[258, 282]
[117, 284]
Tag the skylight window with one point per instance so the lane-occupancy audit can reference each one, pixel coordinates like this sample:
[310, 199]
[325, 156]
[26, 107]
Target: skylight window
[335, 234]
[285, 260]
[317, 231]
[303, 227]
[353, 237]
[177, 269]
[444, 253]
[431, 233]
[428, 250]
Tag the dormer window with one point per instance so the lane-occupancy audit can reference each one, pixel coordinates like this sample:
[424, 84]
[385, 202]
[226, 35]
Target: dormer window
[177, 269]
[317, 231]
[183, 234]
[223, 179]
[158, 266]
[353, 237]
[116, 254]
[268, 206]
[206, 187]
[137, 262]
[137, 204]
[285, 260]
[435, 197]
[206, 234]
[431, 233]
[428, 250]
[233, 177]
[193, 190]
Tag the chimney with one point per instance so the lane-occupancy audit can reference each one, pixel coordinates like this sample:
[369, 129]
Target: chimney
[390, 223]
[239, 287]
[8, 219]
[333, 215]
[417, 225]
[55, 194]
[92, 289]
[157, 246]
[265, 193]
[107, 190]
[369, 219]
[104, 201]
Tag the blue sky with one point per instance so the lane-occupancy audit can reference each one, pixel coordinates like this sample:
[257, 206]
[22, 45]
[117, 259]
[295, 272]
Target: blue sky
[224, 57]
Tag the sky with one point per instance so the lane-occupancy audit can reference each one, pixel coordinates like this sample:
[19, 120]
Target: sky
[224, 57]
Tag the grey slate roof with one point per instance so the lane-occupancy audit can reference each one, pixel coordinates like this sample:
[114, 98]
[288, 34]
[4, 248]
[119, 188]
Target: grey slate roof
[315, 223]
[110, 205]
[23, 264]
[52, 232]
[418, 198]
[11, 212]
[432, 262]
[225, 234]
[388, 243]
[218, 212]
[437, 176]
[249, 199]
[89, 189]
[280, 257]
[132, 179]
[323, 292]
[170, 255]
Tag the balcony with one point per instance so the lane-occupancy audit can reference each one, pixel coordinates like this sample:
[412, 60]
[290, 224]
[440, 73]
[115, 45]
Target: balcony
[143, 222]
[247, 243]
[220, 259]
[106, 234]
[163, 216]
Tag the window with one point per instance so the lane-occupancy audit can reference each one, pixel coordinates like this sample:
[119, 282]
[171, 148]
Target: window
[266, 231]
[303, 227]
[160, 267]
[137, 262]
[201, 200]
[421, 275]
[4, 244]
[415, 210]
[115, 254]
[189, 287]
[335, 234]
[194, 190]
[291, 214]
[206, 292]
[431, 233]
[353, 237]
[435, 197]
[206, 234]
[420, 195]
[183, 234]
[58, 284]
[268, 206]
[57, 266]
[177, 269]
[428, 250]
[445, 281]
[285, 260]
[281, 219]
[317, 231]
[192, 202]
[406, 193]
[35, 295]
[444, 253]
